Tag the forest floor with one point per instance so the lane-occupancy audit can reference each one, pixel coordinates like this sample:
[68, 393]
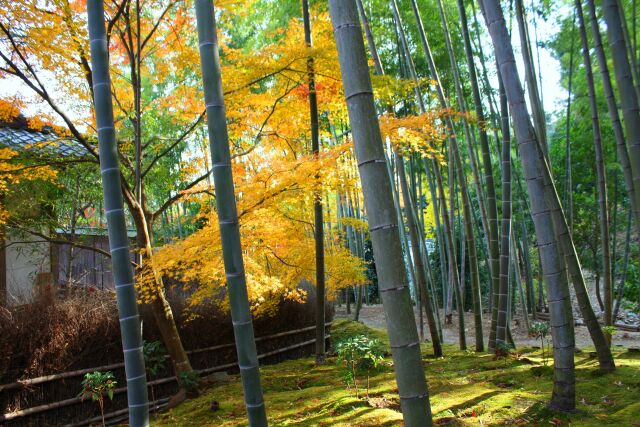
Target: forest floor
[466, 389]
[373, 316]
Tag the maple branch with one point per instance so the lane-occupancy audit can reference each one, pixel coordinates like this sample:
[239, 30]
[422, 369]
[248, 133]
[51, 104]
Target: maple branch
[296, 219]
[181, 138]
[258, 136]
[41, 91]
[155, 26]
[177, 196]
[115, 18]
[268, 197]
[83, 61]
[285, 262]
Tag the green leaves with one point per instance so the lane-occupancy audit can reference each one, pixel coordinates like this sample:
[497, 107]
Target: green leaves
[95, 385]
[155, 357]
[359, 354]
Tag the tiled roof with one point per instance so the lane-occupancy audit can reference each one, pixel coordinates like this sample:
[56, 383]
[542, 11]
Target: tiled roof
[44, 142]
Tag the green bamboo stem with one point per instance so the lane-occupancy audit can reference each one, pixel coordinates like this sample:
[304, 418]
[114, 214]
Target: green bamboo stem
[227, 214]
[563, 396]
[383, 226]
[130, 327]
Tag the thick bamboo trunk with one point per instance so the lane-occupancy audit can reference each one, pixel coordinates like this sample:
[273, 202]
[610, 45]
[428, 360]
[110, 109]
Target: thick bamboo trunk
[563, 396]
[227, 214]
[376, 186]
[130, 329]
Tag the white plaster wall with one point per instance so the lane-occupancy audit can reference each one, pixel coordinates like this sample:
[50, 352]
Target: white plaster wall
[26, 256]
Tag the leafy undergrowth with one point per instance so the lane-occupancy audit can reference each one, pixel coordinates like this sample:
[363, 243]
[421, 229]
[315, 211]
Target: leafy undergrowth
[466, 388]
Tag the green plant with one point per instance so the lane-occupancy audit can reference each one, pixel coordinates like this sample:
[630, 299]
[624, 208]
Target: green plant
[189, 380]
[155, 360]
[502, 349]
[541, 331]
[359, 354]
[609, 331]
[95, 386]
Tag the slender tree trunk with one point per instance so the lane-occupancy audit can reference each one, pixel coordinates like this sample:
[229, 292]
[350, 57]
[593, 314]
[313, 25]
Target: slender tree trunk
[630, 171]
[518, 276]
[227, 214]
[417, 258]
[461, 180]
[317, 204]
[625, 266]
[452, 253]
[492, 210]
[466, 203]
[626, 89]
[603, 212]
[160, 307]
[502, 324]
[411, 272]
[539, 120]
[130, 329]
[568, 187]
[383, 225]
[563, 396]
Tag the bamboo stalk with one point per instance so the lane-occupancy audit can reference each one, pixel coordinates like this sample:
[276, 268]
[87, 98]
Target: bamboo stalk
[129, 317]
[228, 215]
[383, 226]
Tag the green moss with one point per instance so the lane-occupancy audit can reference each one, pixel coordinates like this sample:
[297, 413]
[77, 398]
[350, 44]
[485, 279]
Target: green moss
[466, 388]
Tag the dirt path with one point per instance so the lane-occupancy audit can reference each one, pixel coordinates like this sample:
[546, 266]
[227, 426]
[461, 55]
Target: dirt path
[373, 316]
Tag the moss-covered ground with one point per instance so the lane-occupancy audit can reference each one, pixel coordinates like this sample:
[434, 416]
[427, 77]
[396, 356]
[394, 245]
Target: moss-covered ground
[466, 388]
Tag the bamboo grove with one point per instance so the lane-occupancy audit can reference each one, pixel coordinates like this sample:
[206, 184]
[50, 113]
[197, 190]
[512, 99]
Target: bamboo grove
[350, 151]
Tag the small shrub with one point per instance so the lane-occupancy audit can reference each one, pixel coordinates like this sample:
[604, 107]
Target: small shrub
[609, 331]
[95, 386]
[502, 349]
[359, 354]
[155, 361]
[541, 331]
[190, 381]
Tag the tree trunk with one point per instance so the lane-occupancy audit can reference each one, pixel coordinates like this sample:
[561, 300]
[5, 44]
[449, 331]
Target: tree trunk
[227, 214]
[626, 89]
[503, 306]
[463, 188]
[376, 186]
[568, 187]
[492, 210]
[629, 171]
[317, 204]
[563, 396]
[417, 258]
[539, 120]
[625, 266]
[603, 212]
[114, 209]
[160, 308]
